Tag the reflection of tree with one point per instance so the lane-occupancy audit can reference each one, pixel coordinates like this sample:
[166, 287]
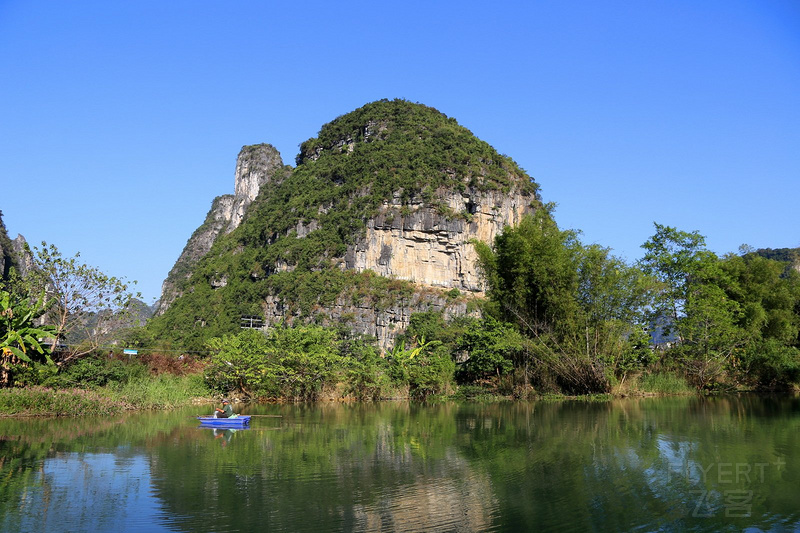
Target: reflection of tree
[28, 445]
[620, 465]
[634, 463]
[341, 469]
[603, 466]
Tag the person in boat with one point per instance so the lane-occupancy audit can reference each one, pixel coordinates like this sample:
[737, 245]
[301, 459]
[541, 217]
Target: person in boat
[226, 411]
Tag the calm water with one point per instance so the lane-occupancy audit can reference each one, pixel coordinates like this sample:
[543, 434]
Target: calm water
[729, 463]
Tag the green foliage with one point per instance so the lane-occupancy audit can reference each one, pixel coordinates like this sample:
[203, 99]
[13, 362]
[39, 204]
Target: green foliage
[784, 255]
[769, 364]
[767, 295]
[675, 260]
[637, 353]
[581, 307]
[19, 337]
[307, 358]
[288, 362]
[693, 303]
[367, 375]
[163, 391]
[532, 275]
[68, 402]
[427, 368]
[431, 325]
[96, 371]
[240, 363]
[8, 259]
[735, 318]
[492, 348]
[83, 304]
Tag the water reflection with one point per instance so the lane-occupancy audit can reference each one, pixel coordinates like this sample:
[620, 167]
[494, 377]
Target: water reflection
[672, 464]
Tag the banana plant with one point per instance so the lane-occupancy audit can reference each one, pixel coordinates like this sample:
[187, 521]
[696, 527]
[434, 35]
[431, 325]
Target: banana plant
[19, 336]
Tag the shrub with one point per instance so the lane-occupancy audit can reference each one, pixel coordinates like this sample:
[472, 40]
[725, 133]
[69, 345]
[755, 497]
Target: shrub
[288, 362]
[771, 365]
[367, 377]
[427, 369]
[163, 391]
[95, 371]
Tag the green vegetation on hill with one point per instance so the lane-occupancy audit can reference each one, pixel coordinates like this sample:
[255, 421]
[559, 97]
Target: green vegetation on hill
[358, 161]
[789, 255]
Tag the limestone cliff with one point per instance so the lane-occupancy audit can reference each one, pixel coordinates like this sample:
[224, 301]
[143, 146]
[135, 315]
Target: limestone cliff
[433, 247]
[374, 223]
[255, 166]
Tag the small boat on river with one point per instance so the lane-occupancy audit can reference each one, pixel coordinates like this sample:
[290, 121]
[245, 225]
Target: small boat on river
[236, 421]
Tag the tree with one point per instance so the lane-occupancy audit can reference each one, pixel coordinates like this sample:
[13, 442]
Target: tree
[287, 362]
[581, 306]
[612, 297]
[492, 347]
[673, 258]
[768, 294]
[532, 275]
[426, 367]
[692, 300]
[82, 303]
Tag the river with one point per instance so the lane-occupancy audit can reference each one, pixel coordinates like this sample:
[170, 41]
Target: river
[680, 463]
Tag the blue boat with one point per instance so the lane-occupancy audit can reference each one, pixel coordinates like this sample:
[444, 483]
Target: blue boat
[236, 421]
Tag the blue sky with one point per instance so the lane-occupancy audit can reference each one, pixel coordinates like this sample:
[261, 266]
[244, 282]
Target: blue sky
[121, 121]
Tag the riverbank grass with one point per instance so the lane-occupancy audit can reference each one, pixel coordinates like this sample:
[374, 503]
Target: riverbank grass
[660, 384]
[43, 401]
[164, 391]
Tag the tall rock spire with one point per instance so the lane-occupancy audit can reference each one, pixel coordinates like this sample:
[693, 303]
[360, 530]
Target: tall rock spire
[256, 165]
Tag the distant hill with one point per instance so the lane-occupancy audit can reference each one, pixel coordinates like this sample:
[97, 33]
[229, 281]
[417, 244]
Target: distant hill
[373, 223]
[789, 255]
[13, 253]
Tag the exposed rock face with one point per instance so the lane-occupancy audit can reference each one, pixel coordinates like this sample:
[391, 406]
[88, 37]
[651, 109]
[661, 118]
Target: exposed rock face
[366, 319]
[255, 166]
[424, 246]
[429, 248]
[23, 256]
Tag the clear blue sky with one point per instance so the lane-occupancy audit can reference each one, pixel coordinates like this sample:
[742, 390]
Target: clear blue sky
[121, 121]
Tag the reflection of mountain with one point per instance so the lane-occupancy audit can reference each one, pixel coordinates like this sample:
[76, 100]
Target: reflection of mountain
[342, 471]
[606, 466]
[551, 466]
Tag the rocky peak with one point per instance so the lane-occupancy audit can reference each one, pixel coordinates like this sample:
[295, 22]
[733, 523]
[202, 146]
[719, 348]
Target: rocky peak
[256, 166]
[374, 223]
